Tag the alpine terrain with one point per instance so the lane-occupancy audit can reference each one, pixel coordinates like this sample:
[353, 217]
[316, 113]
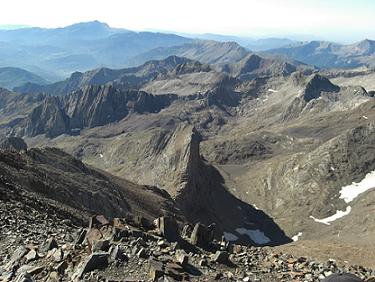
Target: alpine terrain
[151, 156]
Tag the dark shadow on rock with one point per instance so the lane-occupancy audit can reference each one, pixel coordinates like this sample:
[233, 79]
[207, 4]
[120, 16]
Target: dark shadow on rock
[207, 200]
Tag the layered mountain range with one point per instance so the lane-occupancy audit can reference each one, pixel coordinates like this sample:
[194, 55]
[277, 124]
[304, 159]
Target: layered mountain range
[270, 150]
[261, 124]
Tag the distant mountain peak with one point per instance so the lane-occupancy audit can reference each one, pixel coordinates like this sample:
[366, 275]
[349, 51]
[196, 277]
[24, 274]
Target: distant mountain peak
[365, 47]
[90, 23]
[11, 77]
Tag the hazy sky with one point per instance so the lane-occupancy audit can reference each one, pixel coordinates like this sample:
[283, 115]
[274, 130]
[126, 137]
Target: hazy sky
[331, 19]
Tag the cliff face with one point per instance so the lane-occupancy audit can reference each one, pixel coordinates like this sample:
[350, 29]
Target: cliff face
[88, 107]
[203, 196]
[48, 118]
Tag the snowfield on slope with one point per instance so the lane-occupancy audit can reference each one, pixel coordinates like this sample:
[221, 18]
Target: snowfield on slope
[296, 237]
[230, 237]
[337, 215]
[255, 235]
[350, 192]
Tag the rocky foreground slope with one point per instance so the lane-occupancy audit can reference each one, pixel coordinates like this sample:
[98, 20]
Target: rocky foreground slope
[44, 204]
[41, 244]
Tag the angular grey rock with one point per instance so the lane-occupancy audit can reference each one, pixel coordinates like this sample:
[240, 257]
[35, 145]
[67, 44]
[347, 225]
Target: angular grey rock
[200, 236]
[142, 253]
[156, 270]
[58, 255]
[62, 267]
[115, 253]
[101, 245]
[18, 254]
[94, 261]
[32, 255]
[50, 244]
[186, 231]
[24, 277]
[221, 257]
[81, 237]
[167, 226]
[182, 258]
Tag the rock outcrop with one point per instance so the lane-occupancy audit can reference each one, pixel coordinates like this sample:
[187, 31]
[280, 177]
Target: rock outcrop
[48, 118]
[88, 107]
[253, 66]
[13, 143]
[320, 95]
[99, 105]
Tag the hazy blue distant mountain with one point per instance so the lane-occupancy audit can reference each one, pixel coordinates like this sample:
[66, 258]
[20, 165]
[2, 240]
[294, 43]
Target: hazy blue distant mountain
[205, 51]
[56, 53]
[12, 26]
[325, 54]
[244, 41]
[36, 36]
[269, 43]
[248, 42]
[12, 77]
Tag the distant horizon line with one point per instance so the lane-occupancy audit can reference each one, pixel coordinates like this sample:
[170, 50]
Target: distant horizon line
[298, 37]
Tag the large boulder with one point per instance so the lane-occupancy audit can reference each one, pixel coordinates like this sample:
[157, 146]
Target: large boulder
[94, 261]
[168, 228]
[202, 236]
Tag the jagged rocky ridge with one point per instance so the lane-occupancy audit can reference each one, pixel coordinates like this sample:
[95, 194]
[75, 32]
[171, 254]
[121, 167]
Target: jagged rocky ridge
[88, 107]
[172, 68]
[123, 78]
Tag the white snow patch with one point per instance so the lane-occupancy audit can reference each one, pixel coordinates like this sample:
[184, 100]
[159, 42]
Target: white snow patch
[272, 90]
[337, 215]
[332, 168]
[365, 117]
[296, 237]
[265, 100]
[101, 155]
[230, 236]
[256, 235]
[350, 192]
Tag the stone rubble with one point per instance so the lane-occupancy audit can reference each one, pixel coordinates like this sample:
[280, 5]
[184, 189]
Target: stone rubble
[45, 249]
